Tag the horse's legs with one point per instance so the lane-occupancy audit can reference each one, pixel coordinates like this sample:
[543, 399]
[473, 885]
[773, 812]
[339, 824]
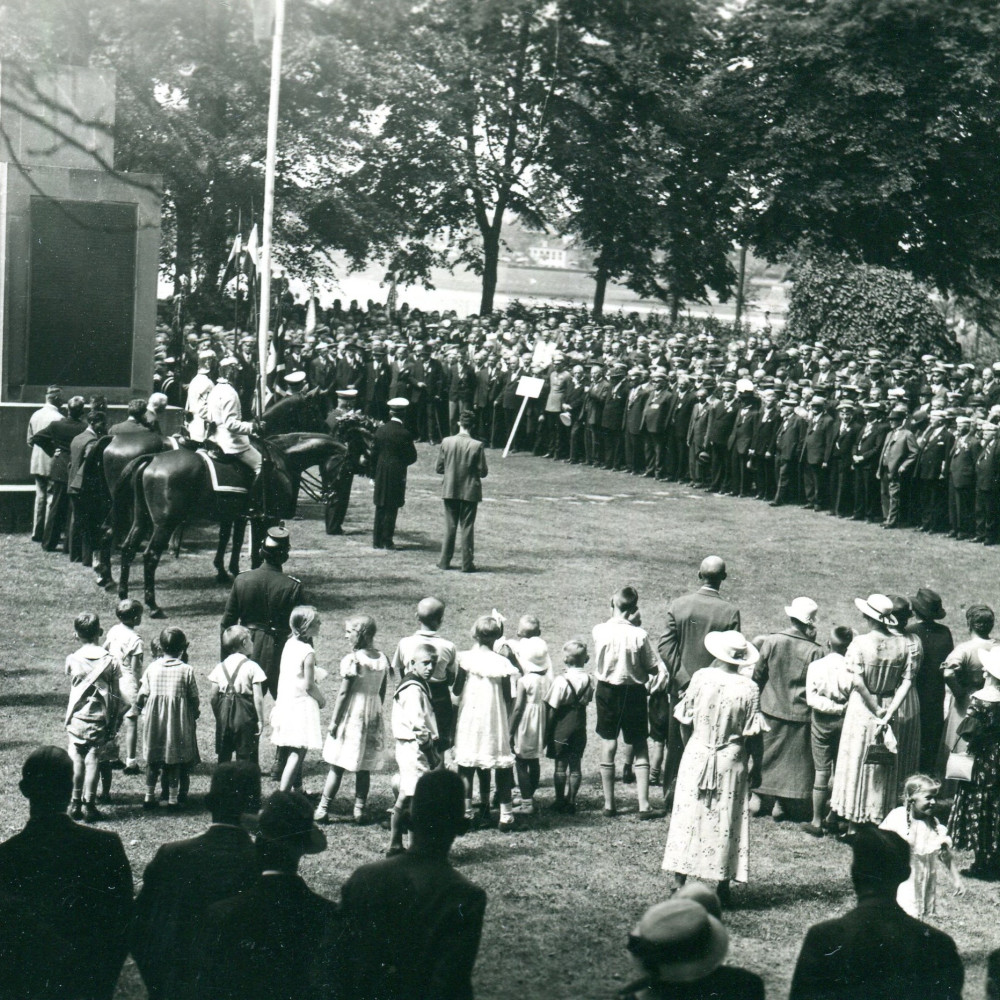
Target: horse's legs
[176, 541]
[129, 549]
[150, 560]
[239, 534]
[225, 530]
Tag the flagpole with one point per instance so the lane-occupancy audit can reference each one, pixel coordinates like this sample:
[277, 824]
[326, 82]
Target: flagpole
[264, 301]
[236, 304]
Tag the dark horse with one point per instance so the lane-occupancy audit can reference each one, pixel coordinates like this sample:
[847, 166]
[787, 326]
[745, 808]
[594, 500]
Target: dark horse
[171, 487]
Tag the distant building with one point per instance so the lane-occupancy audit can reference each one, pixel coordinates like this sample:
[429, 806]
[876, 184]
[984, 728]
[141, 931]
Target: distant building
[549, 256]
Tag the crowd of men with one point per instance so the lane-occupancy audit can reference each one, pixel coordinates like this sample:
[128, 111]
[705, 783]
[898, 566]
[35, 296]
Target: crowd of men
[903, 441]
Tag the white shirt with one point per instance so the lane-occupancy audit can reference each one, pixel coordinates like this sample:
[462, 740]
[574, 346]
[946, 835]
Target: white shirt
[197, 405]
[231, 431]
[623, 653]
[244, 672]
[39, 420]
[828, 684]
[447, 654]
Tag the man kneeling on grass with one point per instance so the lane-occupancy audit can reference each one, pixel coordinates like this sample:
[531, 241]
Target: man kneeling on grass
[415, 731]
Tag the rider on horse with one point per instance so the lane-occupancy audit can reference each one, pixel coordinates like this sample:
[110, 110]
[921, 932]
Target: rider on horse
[226, 426]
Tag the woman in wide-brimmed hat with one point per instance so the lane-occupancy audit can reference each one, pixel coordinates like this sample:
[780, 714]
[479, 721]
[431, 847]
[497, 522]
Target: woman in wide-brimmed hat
[883, 666]
[709, 827]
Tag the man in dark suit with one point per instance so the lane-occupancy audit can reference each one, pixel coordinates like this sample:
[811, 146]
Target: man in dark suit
[462, 462]
[762, 446]
[930, 472]
[961, 479]
[741, 438]
[377, 376]
[682, 647]
[613, 416]
[877, 950]
[55, 441]
[186, 877]
[392, 453]
[816, 445]
[656, 411]
[721, 418]
[635, 406]
[75, 881]
[413, 923]
[262, 600]
[898, 455]
[277, 938]
[864, 458]
[841, 460]
[787, 450]
[135, 422]
[593, 413]
[988, 485]
[677, 464]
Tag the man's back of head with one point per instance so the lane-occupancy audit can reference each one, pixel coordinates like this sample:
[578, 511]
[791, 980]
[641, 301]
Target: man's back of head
[235, 790]
[437, 812]
[712, 571]
[47, 780]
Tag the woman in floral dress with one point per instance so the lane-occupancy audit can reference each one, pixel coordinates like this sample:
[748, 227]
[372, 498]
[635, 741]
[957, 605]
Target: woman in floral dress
[710, 823]
[882, 665]
[975, 814]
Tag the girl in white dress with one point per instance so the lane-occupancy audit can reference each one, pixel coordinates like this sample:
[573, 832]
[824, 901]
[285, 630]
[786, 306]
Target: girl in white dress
[929, 842]
[295, 722]
[527, 720]
[482, 728]
[355, 739]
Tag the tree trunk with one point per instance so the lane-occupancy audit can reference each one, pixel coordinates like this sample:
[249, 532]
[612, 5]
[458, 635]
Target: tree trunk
[675, 308]
[600, 287]
[491, 261]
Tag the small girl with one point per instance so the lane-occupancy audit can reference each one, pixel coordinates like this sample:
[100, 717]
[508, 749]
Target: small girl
[247, 680]
[355, 739]
[566, 723]
[295, 721]
[125, 645]
[482, 728]
[92, 713]
[916, 823]
[168, 697]
[527, 720]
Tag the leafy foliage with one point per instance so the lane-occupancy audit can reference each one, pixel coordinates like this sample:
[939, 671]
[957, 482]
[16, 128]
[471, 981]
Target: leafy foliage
[855, 306]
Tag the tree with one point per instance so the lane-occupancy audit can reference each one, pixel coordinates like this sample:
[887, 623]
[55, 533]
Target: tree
[854, 307]
[648, 191]
[869, 126]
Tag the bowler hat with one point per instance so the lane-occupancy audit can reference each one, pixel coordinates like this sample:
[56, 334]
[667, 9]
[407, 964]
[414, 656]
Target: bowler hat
[288, 817]
[680, 939]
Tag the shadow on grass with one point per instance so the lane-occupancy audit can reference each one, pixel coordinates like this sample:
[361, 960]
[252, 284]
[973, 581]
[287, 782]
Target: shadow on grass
[768, 897]
[40, 699]
[499, 847]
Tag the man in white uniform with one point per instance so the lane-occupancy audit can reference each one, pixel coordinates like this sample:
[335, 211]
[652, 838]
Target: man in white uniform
[196, 406]
[226, 425]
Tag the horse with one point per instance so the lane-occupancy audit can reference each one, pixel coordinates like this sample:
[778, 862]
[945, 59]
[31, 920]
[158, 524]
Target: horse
[171, 487]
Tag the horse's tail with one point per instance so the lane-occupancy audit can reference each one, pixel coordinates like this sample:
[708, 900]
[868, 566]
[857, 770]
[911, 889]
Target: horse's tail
[128, 498]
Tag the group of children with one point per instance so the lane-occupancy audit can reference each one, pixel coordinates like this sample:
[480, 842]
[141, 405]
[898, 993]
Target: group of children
[496, 708]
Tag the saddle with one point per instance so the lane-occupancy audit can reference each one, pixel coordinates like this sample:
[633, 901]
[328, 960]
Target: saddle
[226, 472]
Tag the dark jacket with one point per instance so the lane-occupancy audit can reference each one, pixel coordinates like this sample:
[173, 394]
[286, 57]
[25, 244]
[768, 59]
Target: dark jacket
[932, 455]
[818, 439]
[392, 452]
[876, 952]
[765, 432]
[744, 427]
[55, 441]
[962, 462]
[724, 983]
[277, 939]
[721, 418]
[78, 884]
[788, 440]
[689, 619]
[179, 884]
[780, 673]
[413, 925]
[657, 410]
[462, 462]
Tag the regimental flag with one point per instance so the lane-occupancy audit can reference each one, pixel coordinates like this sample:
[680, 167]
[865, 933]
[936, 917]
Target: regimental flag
[234, 265]
[253, 248]
[263, 19]
[311, 314]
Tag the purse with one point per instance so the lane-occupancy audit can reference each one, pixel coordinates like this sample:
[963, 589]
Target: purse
[960, 761]
[878, 754]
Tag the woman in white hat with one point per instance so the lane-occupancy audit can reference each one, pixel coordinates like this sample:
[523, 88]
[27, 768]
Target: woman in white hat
[975, 815]
[709, 827]
[883, 666]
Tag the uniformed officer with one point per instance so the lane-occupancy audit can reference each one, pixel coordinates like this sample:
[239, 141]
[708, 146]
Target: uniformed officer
[262, 600]
[225, 425]
[393, 451]
[196, 407]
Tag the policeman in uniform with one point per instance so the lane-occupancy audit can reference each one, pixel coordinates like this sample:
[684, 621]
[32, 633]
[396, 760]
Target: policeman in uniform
[262, 600]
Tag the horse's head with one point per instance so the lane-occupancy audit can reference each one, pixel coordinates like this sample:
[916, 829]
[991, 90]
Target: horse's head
[301, 412]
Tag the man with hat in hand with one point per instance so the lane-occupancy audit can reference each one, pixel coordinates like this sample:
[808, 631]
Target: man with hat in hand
[462, 462]
[780, 674]
[898, 454]
[262, 601]
[277, 938]
[392, 453]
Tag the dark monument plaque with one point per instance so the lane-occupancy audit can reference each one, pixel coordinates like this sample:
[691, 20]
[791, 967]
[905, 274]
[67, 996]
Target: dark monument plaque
[82, 293]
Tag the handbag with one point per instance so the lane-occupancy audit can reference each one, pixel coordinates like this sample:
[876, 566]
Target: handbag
[878, 753]
[960, 761]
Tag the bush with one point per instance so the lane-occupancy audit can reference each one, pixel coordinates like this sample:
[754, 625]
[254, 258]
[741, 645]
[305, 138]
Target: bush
[851, 307]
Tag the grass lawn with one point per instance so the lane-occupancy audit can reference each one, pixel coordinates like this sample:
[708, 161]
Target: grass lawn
[555, 540]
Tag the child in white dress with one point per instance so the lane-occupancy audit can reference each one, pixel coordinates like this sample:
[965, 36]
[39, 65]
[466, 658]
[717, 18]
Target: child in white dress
[355, 739]
[125, 645]
[527, 720]
[482, 729]
[295, 721]
[916, 823]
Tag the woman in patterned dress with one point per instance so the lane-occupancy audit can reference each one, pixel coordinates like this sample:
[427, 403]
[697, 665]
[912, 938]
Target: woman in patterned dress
[975, 814]
[882, 665]
[710, 823]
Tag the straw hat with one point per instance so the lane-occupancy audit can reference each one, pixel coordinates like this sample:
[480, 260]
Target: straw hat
[803, 609]
[533, 652]
[878, 608]
[732, 647]
[990, 659]
[680, 940]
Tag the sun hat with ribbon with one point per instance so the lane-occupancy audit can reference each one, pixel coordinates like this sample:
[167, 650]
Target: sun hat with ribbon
[878, 608]
[732, 647]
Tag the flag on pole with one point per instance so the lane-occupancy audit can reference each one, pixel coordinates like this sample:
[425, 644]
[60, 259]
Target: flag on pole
[253, 248]
[263, 19]
[390, 301]
[234, 263]
[311, 314]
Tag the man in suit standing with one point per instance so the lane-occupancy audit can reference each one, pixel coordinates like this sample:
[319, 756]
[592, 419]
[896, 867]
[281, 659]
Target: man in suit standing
[593, 412]
[697, 429]
[682, 647]
[677, 465]
[841, 461]
[988, 485]
[762, 446]
[962, 479]
[392, 453]
[898, 454]
[877, 950]
[76, 881]
[741, 438]
[185, 877]
[930, 471]
[816, 447]
[413, 923]
[655, 415]
[787, 449]
[635, 406]
[134, 422]
[277, 938]
[864, 458]
[721, 419]
[55, 440]
[462, 462]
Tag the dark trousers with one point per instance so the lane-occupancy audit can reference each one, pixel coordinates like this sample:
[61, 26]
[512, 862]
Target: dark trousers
[459, 514]
[720, 467]
[892, 488]
[634, 453]
[675, 746]
[739, 474]
[812, 484]
[696, 467]
[41, 503]
[934, 504]
[842, 502]
[385, 527]
[961, 509]
[764, 479]
[81, 548]
[577, 442]
[336, 507]
[866, 493]
[787, 477]
[612, 448]
[593, 443]
[986, 515]
[655, 455]
[56, 516]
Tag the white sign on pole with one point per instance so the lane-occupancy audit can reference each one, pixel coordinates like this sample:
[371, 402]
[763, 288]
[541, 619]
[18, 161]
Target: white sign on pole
[528, 387]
